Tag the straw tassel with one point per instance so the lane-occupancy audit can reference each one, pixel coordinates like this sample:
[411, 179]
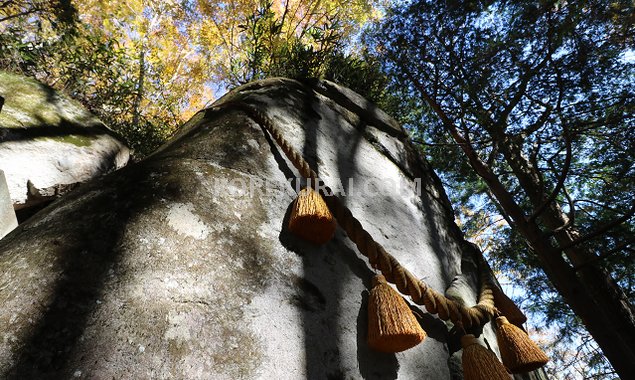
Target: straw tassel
[508, 308]
[391, 325]
[479, 363]
[519, 353]
[310, 217]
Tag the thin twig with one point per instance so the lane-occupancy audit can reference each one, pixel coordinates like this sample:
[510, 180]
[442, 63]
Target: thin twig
[602, 229]
[565, 171]
[605, 254]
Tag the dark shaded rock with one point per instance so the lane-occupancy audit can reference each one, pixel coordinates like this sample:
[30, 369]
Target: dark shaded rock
[180, 266]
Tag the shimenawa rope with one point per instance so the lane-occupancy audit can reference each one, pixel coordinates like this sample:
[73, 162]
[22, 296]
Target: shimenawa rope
[379, 258]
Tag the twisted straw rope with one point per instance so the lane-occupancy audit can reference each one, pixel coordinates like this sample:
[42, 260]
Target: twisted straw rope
[406, 282]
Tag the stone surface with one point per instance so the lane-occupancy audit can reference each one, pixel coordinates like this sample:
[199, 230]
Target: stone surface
[8, 220]
[50, 141]
[180, 266]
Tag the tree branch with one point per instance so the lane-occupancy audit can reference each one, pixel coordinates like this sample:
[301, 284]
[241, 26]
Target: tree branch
[540, 122]
[603, 206]
[6, 3]
[606, 254]
[570, 215]
[522, 89]
[565, 171]
[602, 229]
[505, 199]
[421, 142]
[25, 13]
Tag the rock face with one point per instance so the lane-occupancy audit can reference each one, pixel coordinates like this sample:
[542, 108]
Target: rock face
[50, 142]
[8, 220]
[181, 266]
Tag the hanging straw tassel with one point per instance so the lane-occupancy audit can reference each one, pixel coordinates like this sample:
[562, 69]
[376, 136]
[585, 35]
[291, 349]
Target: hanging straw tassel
[391, 325]
[310, 217]
[508, 308]
[519, 353]
[479, 363]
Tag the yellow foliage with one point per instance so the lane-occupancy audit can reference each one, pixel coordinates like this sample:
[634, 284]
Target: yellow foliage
[196, 42]
[179, 51]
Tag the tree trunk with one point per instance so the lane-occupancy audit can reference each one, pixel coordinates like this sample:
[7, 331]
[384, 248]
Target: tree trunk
[583, 303]
[608, 315]
[591, 293]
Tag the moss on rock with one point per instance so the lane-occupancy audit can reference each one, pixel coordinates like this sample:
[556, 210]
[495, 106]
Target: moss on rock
[29, 104]
[50, 141]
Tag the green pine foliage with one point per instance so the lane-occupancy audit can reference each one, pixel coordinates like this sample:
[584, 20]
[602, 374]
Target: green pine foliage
[553, 79]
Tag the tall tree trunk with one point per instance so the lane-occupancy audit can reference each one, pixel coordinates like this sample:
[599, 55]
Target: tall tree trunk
[590, 292]
[608, 298]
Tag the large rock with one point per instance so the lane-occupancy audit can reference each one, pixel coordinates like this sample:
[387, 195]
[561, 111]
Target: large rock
[48, 142]
[181, 266]
[8, 221]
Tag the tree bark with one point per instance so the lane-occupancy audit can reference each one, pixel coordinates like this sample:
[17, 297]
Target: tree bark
[609, 300]
[591, 292]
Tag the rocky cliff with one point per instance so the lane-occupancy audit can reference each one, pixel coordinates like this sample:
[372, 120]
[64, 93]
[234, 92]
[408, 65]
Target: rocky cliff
[181, 266]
